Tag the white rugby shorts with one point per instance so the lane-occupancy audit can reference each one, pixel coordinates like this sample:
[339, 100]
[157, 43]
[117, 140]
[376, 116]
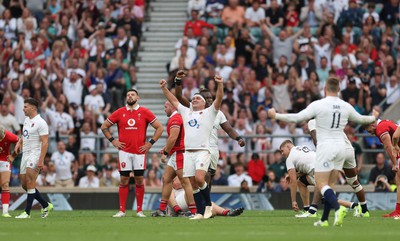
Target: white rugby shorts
[130, 162]
[195, 160]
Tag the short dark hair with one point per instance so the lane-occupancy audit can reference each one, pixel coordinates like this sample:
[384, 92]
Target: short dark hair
[133, 91]
[32, 101]
[284, 143]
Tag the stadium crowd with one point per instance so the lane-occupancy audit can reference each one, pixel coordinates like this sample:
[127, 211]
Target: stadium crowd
[78, 58]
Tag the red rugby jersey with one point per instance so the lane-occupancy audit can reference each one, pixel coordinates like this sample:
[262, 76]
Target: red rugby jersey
[132, 126]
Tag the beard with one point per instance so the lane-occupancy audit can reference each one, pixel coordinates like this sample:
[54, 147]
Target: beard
[133, 102]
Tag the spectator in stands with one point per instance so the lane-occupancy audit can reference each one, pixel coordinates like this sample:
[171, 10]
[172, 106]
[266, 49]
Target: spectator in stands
[8, 120]
[95, 103]
[392, 87]
[199, 5]
[196, 24]
[381, 168]
[233, 15]
[351, 91]
[353, 15]
[283, 186]
[389, 13]
[277, 165]
[151, 179]
[88, 137]
[65, 165]
[183, 61]
[254, 16]
[220, 178]
[274, 17]
[155, 165]
[381, 184]
[90, 180]
[311, 14]
[256, 168]
[239, 176]
[108, 180]
[282, 45]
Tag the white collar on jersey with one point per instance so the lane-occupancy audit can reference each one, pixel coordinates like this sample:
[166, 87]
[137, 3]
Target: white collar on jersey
[135, 108]
[173, 113]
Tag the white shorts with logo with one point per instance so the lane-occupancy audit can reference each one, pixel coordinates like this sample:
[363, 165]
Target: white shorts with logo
[330, 157]
[350, 159]
[214, 156]
[195, 160]
[29, 160]
[5, 166]
[130, 162]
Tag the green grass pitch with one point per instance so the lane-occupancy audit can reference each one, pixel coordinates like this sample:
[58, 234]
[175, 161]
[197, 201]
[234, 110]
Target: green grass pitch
[252, 225]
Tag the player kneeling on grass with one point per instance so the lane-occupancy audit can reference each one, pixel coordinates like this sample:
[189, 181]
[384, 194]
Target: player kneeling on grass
[300, 162]
[178, 200]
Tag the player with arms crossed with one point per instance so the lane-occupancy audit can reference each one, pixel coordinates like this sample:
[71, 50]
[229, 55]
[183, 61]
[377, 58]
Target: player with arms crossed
[350, 172]
[132, 121]
[198, 123]
[34, 144]
[220, 122]
[300, 164]
[332, 115]
[385, 131]
[6, 140]
[175, 148]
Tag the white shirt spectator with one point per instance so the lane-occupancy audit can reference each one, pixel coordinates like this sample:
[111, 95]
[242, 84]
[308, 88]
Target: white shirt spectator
[95, 103]
[337, 60]
[63, 162]
[10, 123]
[73, 91]
[199, 5]
[255, 16]
[87, 142]
[85, 182]
[59, 121]
[224, 71]
[235, 180]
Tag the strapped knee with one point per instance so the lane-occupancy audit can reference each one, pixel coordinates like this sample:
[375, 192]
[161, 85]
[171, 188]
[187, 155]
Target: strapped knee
[354, 183]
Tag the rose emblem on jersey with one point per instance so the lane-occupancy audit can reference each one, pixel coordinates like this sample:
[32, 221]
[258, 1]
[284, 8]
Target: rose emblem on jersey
[131, 122]
[123, 164]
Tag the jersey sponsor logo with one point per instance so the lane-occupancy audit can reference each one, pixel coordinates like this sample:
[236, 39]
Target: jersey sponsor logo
[193, 123]
[26, 134]
[131, 122]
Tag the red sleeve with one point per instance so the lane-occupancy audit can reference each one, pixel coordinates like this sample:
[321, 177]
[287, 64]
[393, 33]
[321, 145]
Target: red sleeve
[186, 28]
[114, 117]
[11, 137]
[382, 129]
[205, 24]
[150, 117]
[374, 55]
[176, 122]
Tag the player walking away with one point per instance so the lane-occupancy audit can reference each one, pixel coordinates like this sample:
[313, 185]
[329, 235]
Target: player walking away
[6, 140]
[385, 131]
[332, 115]
[300, 163]
[132, 121]
[198, 123]
[175, 148]
[350, 172]
[34, 143]
[220, 122]
[178, 199]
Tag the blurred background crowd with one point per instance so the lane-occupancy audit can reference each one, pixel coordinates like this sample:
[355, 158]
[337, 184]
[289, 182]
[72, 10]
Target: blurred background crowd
[78, 58]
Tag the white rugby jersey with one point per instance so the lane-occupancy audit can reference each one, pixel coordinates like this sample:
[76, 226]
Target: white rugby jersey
[31, 132]
[331, 115]
[63, 163]
[302, 159]
[198, 126]
[220, 119]
[312, 126]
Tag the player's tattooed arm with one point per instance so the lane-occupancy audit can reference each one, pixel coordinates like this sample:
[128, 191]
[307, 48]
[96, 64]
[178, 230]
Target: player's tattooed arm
[232, 133]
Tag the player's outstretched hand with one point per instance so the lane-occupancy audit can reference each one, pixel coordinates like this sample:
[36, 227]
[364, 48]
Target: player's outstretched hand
[375, 113]
[219, 79]
[271, 113]
[163, 83]
[117, 144]
[40, 165]
[180, 74]
[10, 159]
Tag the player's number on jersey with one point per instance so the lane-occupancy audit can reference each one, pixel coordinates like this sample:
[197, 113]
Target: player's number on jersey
[335, 120]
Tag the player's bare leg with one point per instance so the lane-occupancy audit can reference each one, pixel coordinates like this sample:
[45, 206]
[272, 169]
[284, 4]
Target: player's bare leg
[352, 180]
[220, 211]
[5, 192]
[168, 176]
[187, 186]
[304, 194]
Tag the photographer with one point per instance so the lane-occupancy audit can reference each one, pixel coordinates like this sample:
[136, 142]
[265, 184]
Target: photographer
[382, 185]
